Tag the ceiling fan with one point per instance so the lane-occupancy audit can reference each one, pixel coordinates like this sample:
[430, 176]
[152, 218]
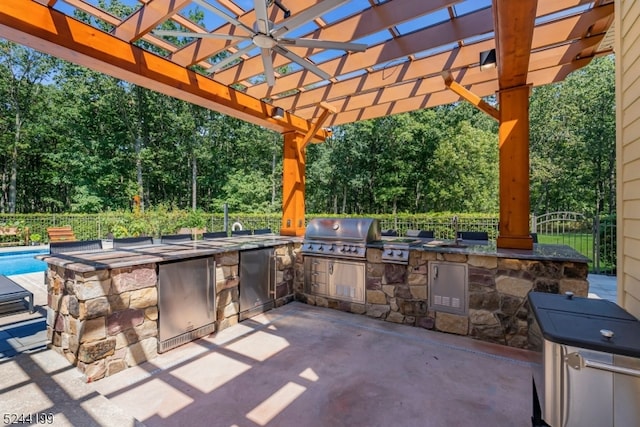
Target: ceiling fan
[271, 38]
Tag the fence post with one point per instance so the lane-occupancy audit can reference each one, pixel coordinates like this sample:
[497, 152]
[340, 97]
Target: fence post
[596, 243]
[534, 223]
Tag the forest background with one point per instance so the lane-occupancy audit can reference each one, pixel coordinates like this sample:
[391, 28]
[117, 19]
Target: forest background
[74, 140]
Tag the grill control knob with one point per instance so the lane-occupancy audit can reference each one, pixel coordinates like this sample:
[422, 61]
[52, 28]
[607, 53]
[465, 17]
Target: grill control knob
[332, 248]
[390, 252]
[398, 253]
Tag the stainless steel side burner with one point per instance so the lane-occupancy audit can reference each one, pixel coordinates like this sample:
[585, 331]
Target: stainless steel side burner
[396, 250]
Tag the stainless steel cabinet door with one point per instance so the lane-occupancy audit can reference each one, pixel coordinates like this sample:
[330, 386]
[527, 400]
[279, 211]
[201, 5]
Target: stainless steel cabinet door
[347, 280]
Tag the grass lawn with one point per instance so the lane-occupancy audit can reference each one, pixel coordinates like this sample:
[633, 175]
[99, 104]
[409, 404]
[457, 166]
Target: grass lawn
[581, 242]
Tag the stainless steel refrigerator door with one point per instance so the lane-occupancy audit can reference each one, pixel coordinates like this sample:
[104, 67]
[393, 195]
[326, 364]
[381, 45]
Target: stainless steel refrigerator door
[186, 296]
[256, 281]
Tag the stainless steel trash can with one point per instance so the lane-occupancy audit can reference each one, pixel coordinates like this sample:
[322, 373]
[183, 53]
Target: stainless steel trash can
[590, 375]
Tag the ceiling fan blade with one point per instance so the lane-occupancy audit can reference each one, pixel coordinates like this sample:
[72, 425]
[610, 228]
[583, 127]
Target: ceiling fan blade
[305, 16]
[262, 16]
[268, 66]
[229, 59]
[324, 44]
[302, 62]
[230, 19]
[199, 35]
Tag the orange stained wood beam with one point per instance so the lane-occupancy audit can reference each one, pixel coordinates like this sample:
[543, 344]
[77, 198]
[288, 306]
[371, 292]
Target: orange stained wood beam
[293, 185]
[444, 96]
[514, 25]
[469, 25]
[49, 31]
[470, 96]
[328, 110]
[403, 74]
[146, 18]
[513, 136]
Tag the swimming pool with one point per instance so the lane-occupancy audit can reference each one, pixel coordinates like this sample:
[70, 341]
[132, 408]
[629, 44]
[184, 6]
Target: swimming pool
[21, 262]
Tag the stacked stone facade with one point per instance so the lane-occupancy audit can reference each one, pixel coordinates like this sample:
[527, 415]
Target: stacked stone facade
[105, 321]
[497, 293]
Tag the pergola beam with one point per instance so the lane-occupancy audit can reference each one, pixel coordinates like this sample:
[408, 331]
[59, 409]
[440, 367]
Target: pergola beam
[424, 97]
[438, 35]
[470, 96]
[430, 67]
[146, 18]
[327, 111]
[52, 32]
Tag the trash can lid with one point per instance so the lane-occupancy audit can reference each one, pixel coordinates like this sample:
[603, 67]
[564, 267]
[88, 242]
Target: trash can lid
[586, 323]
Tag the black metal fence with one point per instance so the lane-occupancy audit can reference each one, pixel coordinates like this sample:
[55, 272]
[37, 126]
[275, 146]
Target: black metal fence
[593, 237]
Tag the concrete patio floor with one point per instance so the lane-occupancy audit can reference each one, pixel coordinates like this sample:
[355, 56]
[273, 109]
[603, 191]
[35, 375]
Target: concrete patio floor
[297, 365]
[294, 366]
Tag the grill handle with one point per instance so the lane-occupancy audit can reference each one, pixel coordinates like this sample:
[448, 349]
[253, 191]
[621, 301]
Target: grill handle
[576, 361]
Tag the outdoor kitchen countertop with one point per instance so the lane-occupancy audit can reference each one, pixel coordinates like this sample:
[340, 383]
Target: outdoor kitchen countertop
[540, 252]
[107, 259]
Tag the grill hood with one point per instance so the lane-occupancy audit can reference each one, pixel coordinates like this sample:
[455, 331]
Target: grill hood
[353, 230]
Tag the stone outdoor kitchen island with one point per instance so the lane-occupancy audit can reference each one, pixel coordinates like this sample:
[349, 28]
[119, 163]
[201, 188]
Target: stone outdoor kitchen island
[103, 311]
[493, 303]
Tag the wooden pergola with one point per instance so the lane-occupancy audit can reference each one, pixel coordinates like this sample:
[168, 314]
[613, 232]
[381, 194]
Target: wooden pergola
[419, 54]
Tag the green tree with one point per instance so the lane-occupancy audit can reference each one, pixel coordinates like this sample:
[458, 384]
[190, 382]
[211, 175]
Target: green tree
[22, 72]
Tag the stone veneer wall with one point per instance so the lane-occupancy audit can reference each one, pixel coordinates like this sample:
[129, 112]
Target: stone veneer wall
[107, 320]
[498, 287]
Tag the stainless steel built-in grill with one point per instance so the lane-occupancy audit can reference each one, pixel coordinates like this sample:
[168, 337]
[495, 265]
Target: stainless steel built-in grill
[335, 252]
[340, 237]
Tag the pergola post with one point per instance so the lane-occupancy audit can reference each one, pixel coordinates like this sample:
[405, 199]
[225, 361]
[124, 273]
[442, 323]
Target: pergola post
[293, 180]
[513, 138]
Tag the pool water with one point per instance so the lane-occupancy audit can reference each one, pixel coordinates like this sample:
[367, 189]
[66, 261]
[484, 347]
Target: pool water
[22, 262]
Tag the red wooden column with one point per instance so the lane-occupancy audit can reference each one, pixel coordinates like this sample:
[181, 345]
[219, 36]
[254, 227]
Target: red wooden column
[293, 179]
[514, 168]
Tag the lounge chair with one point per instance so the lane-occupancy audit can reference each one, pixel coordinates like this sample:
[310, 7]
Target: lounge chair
[240, 232]
[73, 246]
[125, 242]
[389, 233]
[10, 291]
[61, 234]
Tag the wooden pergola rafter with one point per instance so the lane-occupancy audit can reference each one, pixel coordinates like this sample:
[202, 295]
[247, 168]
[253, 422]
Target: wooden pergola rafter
[410, 44]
